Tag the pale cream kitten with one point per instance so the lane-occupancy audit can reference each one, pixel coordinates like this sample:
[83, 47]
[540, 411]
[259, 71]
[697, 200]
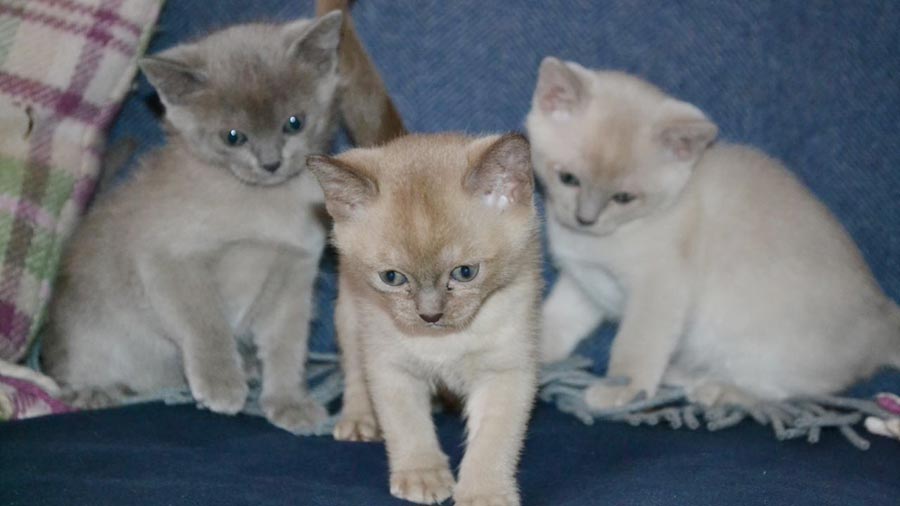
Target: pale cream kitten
[439, 286]
[729, 277]
[217, 236]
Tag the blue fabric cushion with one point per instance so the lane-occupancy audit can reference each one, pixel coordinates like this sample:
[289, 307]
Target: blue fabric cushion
[155, 454]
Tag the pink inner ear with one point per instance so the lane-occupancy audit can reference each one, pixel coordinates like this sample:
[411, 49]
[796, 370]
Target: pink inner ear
[554, 98]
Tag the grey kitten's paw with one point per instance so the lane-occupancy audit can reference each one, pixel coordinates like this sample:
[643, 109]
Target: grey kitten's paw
[487, 500]
[296, 415]
[423, 486]
[604, 396]
[220, 392]
[95, 397]
[357, 427]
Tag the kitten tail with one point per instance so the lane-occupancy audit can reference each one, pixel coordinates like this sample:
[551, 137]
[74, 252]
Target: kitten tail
[366, 108]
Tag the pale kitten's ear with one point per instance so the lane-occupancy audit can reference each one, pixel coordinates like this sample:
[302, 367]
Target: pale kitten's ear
[560, 90]
[684, 131]
[315, 41]
[347, 189]
[500, 171]
[176, 74]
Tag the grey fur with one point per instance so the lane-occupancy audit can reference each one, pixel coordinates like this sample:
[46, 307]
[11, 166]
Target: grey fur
[204, 244]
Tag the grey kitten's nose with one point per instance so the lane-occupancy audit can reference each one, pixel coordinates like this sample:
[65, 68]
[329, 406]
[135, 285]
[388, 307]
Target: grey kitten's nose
[431, 318]
[583, 222]
[272, 167]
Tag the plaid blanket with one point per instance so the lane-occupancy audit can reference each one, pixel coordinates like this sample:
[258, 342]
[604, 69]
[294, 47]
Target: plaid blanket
[65, 66]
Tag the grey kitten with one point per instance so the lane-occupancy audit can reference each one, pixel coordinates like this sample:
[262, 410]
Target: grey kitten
[217, 237]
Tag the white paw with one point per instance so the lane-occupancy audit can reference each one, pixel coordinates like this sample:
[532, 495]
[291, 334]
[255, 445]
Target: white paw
[707, 394]
[222, 392]
[552, 350]
[423, 486]
[603, 396]
[486, 500]
[297, 415]
[357, 427]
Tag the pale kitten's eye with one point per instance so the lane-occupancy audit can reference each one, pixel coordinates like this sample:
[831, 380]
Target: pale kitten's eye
[464, 273]
[392, 278]
[623, 197]
[293, 125]
[234, 138]
[569, 179]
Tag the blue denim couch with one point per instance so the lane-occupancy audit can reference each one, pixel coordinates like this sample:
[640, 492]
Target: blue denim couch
[815, 83]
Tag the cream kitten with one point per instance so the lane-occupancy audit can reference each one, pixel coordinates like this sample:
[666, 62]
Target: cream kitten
[439, 286]
[218, 236]
[730, 278]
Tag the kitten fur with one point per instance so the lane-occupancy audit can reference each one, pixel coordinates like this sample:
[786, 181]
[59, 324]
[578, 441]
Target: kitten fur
[423, 205]
[729, 277]
[208, 242]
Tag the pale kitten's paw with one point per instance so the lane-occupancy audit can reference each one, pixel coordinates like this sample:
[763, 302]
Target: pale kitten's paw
[357, 427]
[603, 396]
[553, 350]
[488, 500]
[423, 486]
[295, 415]
[225, 393]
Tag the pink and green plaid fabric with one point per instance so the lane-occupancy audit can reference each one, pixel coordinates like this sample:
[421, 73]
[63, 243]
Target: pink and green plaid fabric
[65, 66]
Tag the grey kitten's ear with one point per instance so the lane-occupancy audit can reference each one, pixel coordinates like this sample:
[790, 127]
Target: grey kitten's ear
[559, 88]
[501, 173]
[175, 78]
[315, 41]
[347, 189]
[684, 131]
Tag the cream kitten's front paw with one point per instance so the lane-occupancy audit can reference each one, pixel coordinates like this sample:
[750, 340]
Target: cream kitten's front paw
[423, 486]
[487, 500]
[357, 427]
[296, 415]
[603, 396]
[221, 393]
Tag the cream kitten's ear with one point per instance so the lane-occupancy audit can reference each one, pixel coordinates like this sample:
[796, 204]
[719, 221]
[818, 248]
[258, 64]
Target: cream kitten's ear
[684, 131]
[347, 189]
[176, 74]
[560, 90]
[317, 41]
[501, 173]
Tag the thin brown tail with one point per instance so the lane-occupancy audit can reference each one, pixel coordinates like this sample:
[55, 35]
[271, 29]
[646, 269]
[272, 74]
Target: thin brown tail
[367, 110]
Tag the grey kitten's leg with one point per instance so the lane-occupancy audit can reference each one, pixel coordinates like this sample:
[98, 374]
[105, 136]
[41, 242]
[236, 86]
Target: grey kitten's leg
[419, 469]
[96, 397]
[568, 317]
[187, 303]
[358, 421]
[498, 409]
[653, 323]
[281, 328]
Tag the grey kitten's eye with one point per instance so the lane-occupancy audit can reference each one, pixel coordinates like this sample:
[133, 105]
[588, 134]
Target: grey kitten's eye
[233, 137]
[569, 179]
[392, 278]
[623, 197]
[293, 125]
[464, 273]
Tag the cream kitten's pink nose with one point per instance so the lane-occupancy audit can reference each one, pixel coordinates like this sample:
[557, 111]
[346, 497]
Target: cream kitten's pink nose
[431, 318]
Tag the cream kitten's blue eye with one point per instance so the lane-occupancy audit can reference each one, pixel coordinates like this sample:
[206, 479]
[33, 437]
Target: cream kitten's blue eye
[569, 179]
[623, 197]
[293, 125]
[392, 278]
[464, 273]
[234, 137]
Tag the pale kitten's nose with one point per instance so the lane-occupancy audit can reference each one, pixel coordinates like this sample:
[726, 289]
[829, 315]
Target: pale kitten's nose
[583, 222]
[431, 318]
[272, 167]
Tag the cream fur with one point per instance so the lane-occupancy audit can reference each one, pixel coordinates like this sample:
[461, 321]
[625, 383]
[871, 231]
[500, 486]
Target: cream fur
[729, 277]
[422, 205]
